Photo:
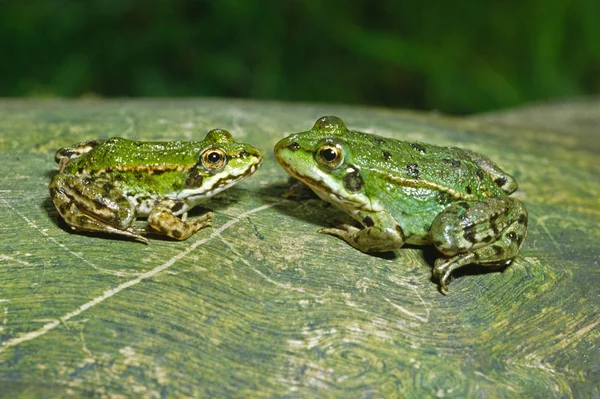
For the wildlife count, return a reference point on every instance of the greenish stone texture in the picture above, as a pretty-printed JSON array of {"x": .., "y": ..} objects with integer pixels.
[{"x": 261, "y": 305}]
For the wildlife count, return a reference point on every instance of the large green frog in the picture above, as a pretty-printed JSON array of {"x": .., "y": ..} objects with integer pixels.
[
  {"x": 104, "y": 185},
  {"x": 409, "y": 192}
]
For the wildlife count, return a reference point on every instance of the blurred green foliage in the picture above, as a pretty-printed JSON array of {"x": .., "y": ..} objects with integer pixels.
[{"x": 457, "y": 57}]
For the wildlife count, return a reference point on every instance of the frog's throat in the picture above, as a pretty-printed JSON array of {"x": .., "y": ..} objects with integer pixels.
[
  {"x": 218, "y": 182},
  {"x": 352, "y": 203}
]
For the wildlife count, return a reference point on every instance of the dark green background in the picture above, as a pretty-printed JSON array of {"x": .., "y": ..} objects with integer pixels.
[{"x": 457, "y": 57}]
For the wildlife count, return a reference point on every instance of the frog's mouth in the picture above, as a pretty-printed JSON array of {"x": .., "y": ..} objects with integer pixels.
[
  {"x": 351, "y": 202},
  {"x": 220, "y": 182},
  {"x": 311, "y": 182}
]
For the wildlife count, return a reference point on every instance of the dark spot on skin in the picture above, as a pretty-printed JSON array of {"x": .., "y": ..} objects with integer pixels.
[
  {"x": 522, "y": 219},
  {"x": 294, "y": 146},
  {"x": 107, "y": 188},
  {"x": 463, "y": 204},
  {"x": 137, "y": 143},
  {"x": 500, "y": 181},
  {"x": 194, "y": 179},
  {"x": 475, "y": 256},
  {"x": 453, "y": 163},
  {"x": 353, "y": 181},
  {"x": 158, "y": 172},
  {"x": 176, "y": 233},
  {"x": 139, "y": 175},
  {"x": 468, "y": 189},
  {"x": 479, "y": 173},
  {"x": 498, "y": 250},
  {"x": 512, "y": 236},
  {"x": 367, "y": 221},
  {"x": 417, "y": 147},
  {"x": 493, "y": 223},
  {"x": 177, "y": 207},
  {"x": 379, "y": 140},
  {"x": 470, "y": 235},
  {"x": 80, "y": 169},
  {"x": 413, "y": 170},
  {"x": 487, "y": 239},
  {"x": 386, "y": 155}
]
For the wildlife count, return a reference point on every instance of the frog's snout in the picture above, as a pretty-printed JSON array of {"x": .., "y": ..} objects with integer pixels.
[{"x": 288, "y": 143}]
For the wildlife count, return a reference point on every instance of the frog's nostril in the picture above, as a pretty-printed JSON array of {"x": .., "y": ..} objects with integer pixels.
[{"x": 294, "y": 146}]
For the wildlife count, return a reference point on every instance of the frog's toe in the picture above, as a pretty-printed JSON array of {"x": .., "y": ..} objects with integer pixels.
[{"x": 441, "y": 273}]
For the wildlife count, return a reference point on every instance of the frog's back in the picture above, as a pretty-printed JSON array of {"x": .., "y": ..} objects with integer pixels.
[
  {"x": 448, "y": 173},
  {"x": 122, "y": 154}
]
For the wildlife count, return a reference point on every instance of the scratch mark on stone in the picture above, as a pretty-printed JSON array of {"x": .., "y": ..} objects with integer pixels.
[
  {"x": 287, "y": 286},
  {"x": 5, "y": 319},
  {"x": 64, "y": 247},
  {"x": 577, "y": 335},
  {"x": 408, "y": 312},
  {"x": 6, "y": 257},
  {"x": 542, "y": 222},
  {"x": 113, "y": 291}
]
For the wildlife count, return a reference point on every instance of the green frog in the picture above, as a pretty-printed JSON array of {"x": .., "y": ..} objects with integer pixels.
[
  {"x": 104, "y": 185},
  {"x": 404, "y": 192}
]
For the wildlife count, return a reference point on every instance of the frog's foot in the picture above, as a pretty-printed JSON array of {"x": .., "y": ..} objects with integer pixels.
[
  {"x": 162, "y": 221},
  {"x": 445, "y": 266},
  {"x": 488, "y": 233},
  {"x": 373, "y": 238}
]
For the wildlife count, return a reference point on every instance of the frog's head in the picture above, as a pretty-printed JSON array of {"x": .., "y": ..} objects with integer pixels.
[
  {"x": 325, "y": 159},
  {"x": 221, "y": 163}
]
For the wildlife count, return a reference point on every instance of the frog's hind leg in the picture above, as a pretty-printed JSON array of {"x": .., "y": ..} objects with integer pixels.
[
  {"x": 93, "y": 207},
  {"x": 489, "y": 233},
  {"x": 163, "y": 221}
]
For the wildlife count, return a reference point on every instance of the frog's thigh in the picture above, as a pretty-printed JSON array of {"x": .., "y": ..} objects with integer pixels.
[
  {"x": 381, "y": 233},
  {"x": 489, "y": 232},
  {"x": 88, "y": 206},
  {"x": 162, "y": 220}
]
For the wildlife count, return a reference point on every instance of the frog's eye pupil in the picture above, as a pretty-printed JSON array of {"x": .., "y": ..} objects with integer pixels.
[
  {"x": 214, "y": 157},
  {"x": 328, "y": 154}
]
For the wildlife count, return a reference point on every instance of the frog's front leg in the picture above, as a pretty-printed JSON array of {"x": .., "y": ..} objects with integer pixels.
[
  {"x": 380, "y": 233},
  {"x": 489, "y": 232},
  {"x": 93, "y": 205},
  {"x": 163, "y": 221}
]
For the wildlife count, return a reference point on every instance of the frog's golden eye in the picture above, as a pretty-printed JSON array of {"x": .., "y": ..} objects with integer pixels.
[
  {"x": 213, "y": 158},
  {"x": 330, "y": 155}
]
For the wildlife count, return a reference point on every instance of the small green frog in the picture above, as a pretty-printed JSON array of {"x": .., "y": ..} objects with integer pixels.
[
  {"x": 104, "y": 185},
  {"x": 408, "y": 192}
]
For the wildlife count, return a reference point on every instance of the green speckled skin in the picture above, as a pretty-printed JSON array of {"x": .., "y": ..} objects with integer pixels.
[
  {"x": 104, "y": 185},
  {"x": 410, "y": 192}
]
